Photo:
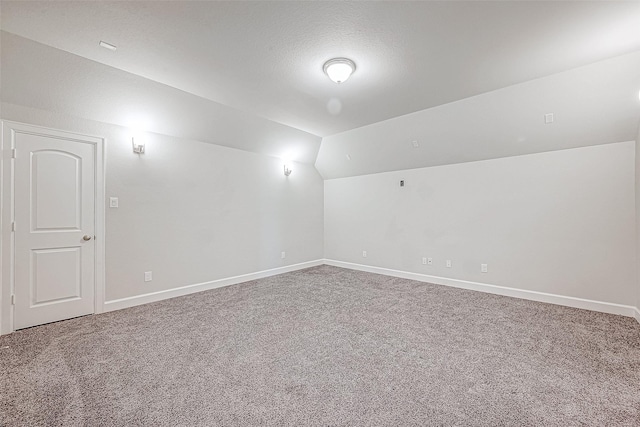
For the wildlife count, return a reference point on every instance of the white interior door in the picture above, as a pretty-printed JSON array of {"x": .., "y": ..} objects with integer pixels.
[{"x": 55, "y": 227}]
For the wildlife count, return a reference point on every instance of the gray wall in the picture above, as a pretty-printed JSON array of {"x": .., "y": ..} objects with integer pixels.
[
  {"x": 193, "y": 212},
  {"x": 556, "y": 222}
]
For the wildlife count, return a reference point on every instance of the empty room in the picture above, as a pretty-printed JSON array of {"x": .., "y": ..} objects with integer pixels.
[{"x": 288, "y": 213}]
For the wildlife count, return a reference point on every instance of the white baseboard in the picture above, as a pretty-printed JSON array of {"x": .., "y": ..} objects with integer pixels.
[
  {"x": 119, "y": 304},
  {"x": 604, "y": 307}
]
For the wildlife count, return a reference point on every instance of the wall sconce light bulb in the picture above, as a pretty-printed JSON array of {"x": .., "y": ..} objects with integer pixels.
[
  {"x": 287, "y": 171},
  {"x": 137, "y": 148}
]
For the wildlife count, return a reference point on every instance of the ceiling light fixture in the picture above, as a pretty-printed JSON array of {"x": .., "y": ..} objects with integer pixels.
[{"x": 339, "y": 69}]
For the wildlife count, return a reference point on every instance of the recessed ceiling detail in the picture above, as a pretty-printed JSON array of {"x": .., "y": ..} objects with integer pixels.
[{"x": 107, "y": 45}]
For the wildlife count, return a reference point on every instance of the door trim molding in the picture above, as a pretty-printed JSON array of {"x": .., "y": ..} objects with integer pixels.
[{"x": 8, "y": 129}]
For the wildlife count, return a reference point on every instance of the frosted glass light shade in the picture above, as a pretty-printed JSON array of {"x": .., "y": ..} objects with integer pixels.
[{"x": 339, "y": 69}]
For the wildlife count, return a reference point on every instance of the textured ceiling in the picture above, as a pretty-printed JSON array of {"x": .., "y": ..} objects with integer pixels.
[{"x": 266, "y": 58}]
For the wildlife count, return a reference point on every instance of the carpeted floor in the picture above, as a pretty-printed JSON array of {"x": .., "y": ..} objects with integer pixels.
[{"x": 326, "y": 347}]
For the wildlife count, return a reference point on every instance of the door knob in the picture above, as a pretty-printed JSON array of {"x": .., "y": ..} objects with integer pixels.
[{"x": 86, "y": 238}]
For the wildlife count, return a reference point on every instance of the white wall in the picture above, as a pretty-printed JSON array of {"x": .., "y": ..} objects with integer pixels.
[
  {"x": 194, "y": 212},
  {"x": 638, "y": 222},
  {"x": 556, "y": 222}
]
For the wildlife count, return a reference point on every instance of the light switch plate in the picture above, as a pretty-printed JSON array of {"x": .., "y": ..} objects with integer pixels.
[{"x": 113, "y": 202}]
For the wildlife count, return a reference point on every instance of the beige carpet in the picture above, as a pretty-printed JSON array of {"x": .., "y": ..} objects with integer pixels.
[{"x": 326, "y": 347}]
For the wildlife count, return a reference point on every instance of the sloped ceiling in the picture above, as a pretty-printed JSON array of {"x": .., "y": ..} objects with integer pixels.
[
  {"x": 591, "y": 105},
  {"x": 38, "y": 76},
  {"x": 261, "y": 62}
]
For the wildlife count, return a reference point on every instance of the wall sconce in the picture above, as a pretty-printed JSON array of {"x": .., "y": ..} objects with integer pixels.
[
  {"x": 287, "y": 171},
  {"x": 137, "y": 148}
]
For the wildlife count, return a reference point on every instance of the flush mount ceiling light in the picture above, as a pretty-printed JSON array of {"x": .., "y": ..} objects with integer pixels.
[{"x": 339, "y": 69}]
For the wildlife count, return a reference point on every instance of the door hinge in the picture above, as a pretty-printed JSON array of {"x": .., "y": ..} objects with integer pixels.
[
  {"x": 13, "y": 226},
  {"x": 13, "y": 299},
  {"x": 14, "y": 153}
]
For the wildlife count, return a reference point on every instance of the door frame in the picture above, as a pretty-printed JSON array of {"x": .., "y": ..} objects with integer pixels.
[{"x": 7, "y": 237}]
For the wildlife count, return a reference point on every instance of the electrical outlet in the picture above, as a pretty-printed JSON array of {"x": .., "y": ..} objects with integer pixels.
[
  {"x": 448, "y": 263},
  {"x": 484, "y": 268},
  {"x": 429, "y": 261},
  {"x": 283, "y": 255},
  {"x": 364, "y": 254},
  {"x": 424, "y": 261},
  {"x": 148, "y": 276}
]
